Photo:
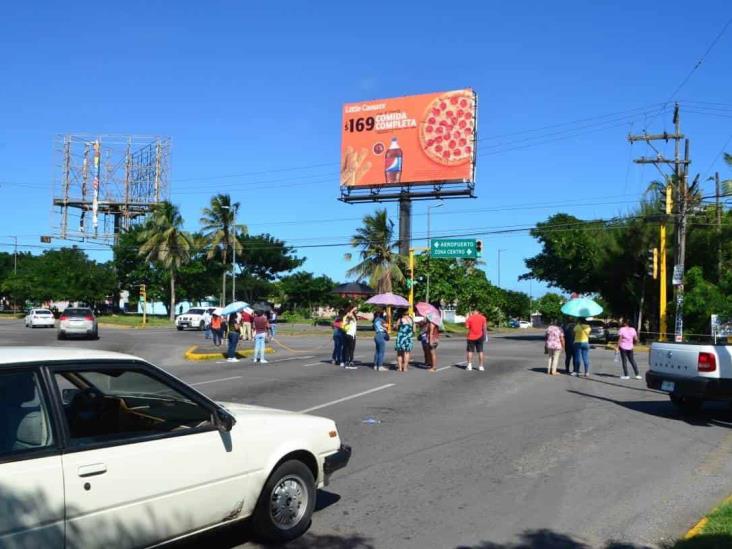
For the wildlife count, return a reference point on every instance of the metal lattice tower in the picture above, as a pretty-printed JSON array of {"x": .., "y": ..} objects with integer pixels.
[{"x": 107, "y": 183}]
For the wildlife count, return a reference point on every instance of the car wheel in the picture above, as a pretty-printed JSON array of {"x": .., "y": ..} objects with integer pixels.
[
  {"x": 60, "y": 336},
  {"x": 179, "y": 328},
  {"x": 687, "y": 405},
  {"x": 201, "y": 326},
  {"x": 286, "y": 503}
]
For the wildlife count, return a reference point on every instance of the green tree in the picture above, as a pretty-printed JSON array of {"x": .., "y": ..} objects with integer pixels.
[
  {"x": 304, "y": 289},
  {"x": 379, "y": 262},
  {"x": 218, "y": 223},
  {"x": 164, "y": 242},
  {"x": 199, "y": 278},
  {"x": 261, "y": 260},
  {"x": 131, "y": 273},
  {"x": 550, "y": 307}
]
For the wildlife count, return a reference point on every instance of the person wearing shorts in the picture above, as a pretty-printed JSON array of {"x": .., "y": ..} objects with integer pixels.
[{"x": 476, "y": 324}]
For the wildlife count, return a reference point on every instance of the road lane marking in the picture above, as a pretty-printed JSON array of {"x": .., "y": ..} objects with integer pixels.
[
  {"x": 344, "y": 399},
  {"x": 443, "y": 368},
  {"x": 216, "y": 380},
  {"x": 314, "y": 364},
  {"x": 291, "y": 358}
]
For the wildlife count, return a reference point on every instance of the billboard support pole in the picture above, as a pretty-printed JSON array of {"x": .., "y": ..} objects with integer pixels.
[{"x": 405, "y": 225}]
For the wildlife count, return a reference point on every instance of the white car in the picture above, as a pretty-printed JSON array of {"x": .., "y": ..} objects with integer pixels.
[
  {"x": 101, "y": 449},
  {"x": 524, "y": 324},
  {"x": 39, "y": 317},
  {"x": 192, "y": 318}
]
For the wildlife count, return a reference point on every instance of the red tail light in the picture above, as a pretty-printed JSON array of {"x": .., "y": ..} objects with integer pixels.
[
  {"x": 88, "y": 317},
  {"x": 707, "y": 362},
  {"x": 63, "y": 317}
]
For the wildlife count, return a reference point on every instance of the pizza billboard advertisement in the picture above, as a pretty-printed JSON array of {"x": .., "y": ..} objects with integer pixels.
[{"x": 412, "y": 140}]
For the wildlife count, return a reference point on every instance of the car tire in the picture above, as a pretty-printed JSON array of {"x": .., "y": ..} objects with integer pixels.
[
  {"x": 201, "y": 326},
  {"x": 179, "y": 328},
  {"x": 286, "y": 504},
  {"x": 687, "y": 405},
  {"x": 60, "y": 336}
]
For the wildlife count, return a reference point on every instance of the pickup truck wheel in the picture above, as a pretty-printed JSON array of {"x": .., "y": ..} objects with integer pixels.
[
  {"x": 687, "y": 405},
  {"x": 286, "y": 504},
  {"x": 179, "y": 328}
]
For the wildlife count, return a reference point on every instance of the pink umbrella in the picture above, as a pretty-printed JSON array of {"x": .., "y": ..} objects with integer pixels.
[
  {"x": 388, "y": 300},
  {"x": 430, "y": 312}
]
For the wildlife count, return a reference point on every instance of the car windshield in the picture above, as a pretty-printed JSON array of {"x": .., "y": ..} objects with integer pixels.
[
  {"x": 195, "y": 311},
  {"x": 43, "y": 312},
  {"x": 78, "y": 312}
]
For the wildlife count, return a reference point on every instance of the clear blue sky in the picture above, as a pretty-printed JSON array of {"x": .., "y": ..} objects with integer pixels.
[{"x": 244, "y": 87}]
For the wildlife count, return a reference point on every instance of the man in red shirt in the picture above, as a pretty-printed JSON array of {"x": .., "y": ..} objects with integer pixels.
[
  {"x": 476, "y": 324},
  {"x": 246, "y": 325}
]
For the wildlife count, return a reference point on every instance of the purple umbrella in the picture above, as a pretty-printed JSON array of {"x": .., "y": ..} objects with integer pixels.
[{"x": 388, "y": 299}]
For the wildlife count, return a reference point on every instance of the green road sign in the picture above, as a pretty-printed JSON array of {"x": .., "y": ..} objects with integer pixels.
[{"x": 451, "y": 248}]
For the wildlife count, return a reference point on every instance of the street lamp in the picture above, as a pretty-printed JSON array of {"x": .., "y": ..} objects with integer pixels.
[
  {"x": 499, "y": 264},
  {"x": 429, "y": 246}
]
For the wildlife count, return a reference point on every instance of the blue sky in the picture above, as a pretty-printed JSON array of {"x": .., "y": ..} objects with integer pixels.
[{"x": 250, "y": 94}]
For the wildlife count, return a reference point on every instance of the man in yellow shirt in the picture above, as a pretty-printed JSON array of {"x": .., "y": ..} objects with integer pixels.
[{"x": 581, "y": 346}]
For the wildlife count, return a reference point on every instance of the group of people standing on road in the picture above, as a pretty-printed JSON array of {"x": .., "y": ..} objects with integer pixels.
[
  {"x": 574, "y": 340},
  {"x": 242, "y": 326},
  {"x": 345, "y": 328}
]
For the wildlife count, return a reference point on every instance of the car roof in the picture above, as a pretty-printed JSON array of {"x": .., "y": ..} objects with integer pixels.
[{"x": 17, "y": 354}]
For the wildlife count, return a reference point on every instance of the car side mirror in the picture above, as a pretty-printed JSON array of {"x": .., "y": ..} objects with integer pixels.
[{"x": 223, "y": 420}]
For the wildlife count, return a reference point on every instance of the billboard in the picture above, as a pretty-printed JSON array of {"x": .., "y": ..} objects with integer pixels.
[{"x": 412, "y": 140}]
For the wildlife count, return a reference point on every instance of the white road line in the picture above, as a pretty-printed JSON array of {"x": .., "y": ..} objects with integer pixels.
[
  {"x": 462, "y": 363},
  {"x": 216, "y": 380},
  {"x": 314, "y": 364},
  {"x": 443, "y": 368},
  {"x": 338, "y": 401},
  {"x": 291, "y": 358}
]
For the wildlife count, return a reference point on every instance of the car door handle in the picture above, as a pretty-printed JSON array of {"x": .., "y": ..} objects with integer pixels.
[{"x": 91, "y": 470}]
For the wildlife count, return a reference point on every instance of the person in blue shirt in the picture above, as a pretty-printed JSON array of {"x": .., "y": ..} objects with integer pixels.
[{"x": 380, "y": 338}]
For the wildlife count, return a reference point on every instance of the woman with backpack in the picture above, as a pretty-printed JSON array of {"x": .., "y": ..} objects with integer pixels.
[{"x": 381, "y": 336}]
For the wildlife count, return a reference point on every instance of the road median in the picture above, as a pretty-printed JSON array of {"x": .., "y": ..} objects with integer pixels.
[
  {"x": 710, "y": 532},
  {"x": 209, "y": 352}
]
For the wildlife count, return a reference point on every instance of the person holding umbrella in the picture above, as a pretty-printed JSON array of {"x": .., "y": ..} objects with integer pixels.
[
  {"x": 582, "y": 346},
  {"x": 581, "y": 307},
  {"x": 233, "y": 338},
  {"x": 381, "y": 336}
]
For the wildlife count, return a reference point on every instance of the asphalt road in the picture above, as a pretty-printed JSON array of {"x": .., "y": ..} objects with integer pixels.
[{"x": 506, "y": 458}]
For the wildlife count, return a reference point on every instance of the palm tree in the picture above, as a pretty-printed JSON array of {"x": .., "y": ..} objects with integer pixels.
[
  {"x": 218, "y": 223},
  {"x": 164, "y": 242},
  {"x": 380, "y": 263}
]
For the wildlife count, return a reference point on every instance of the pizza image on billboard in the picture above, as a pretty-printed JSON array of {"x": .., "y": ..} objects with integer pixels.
[{"x": 418, "y": 139}]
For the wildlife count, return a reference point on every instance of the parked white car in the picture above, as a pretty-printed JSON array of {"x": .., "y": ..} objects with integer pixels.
[
  {"x": 101, "y": 449},
  {"x": 192, "y": 318},
  {"x": 524, "y": 324},
  {"x": 39, "y": 318}
]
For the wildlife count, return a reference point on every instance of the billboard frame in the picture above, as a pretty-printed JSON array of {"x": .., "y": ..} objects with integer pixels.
[{"x": 396, "y": 193}]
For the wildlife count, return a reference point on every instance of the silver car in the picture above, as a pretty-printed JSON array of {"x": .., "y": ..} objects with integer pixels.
[{"x": 78, "y": 321}]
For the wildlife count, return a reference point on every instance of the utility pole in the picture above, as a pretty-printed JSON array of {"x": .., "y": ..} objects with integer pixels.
[
  {"x": 15, "y": 270},
  {"x": 677, "y": 164},
  {"x": 429, "y": 247},
  {"x": 719, "y": 226},
  {"x": 499, "y": 265}
]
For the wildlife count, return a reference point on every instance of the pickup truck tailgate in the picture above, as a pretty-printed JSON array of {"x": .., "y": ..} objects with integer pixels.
[{"x": 681, "y": 359}]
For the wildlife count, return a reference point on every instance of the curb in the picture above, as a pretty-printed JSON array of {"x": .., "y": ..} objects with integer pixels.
[
  {"x": 699, "y": 526},
  {"x": 191, "y": 353}
]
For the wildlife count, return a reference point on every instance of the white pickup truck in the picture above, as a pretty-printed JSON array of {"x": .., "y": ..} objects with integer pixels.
[{"x": 691, "y": 373}]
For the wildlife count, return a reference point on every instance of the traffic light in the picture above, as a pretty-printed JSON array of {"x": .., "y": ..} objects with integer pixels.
[
  {"x": 653, "y": 263},
  {"x": 478, "y": 247}
]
